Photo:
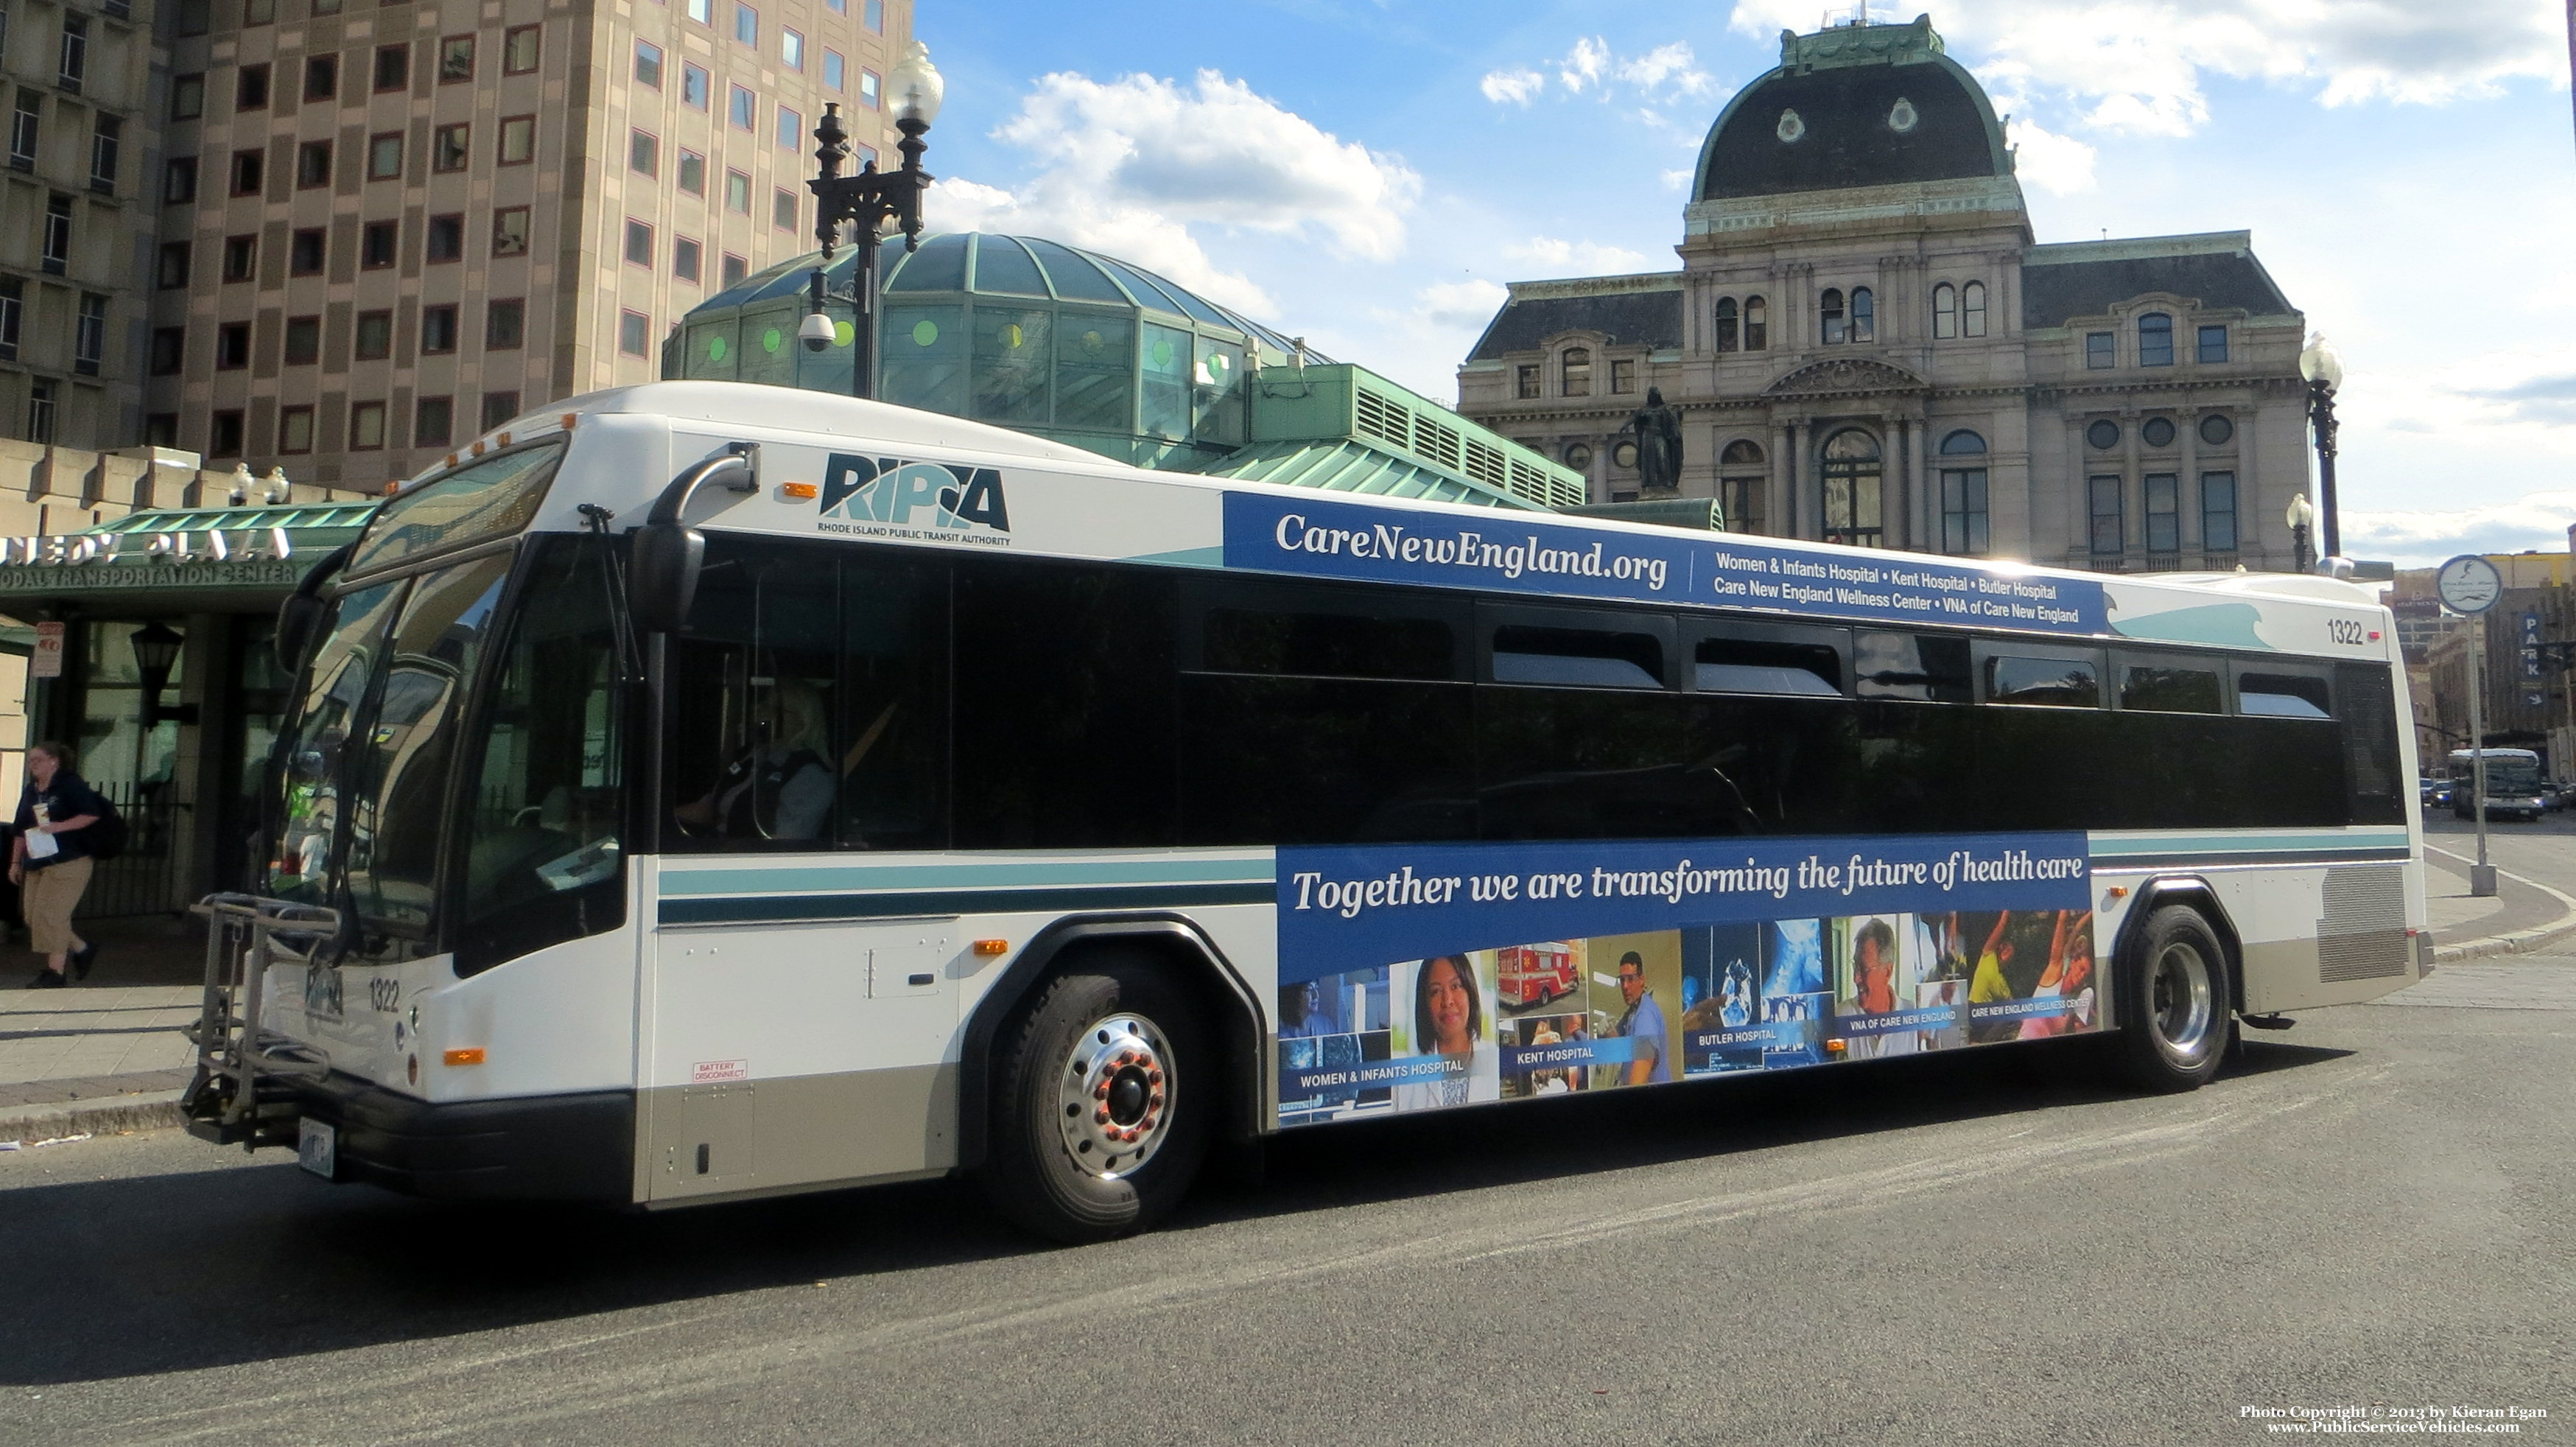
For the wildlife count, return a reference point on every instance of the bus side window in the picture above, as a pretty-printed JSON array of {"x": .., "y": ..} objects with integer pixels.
[
  {"x": 2171, "y": 687},
  {"x": 2283, "y": 695},
  {"x": 752, "y": 747},
  {"x": 892, "y": 743},
  {"x": 1912, "y": 667},
  {"x": 2370, "y": 743},
  {"x": 1577, "y": 736},
  {"x": 2029, "y": 682},
  {"x": 1580, "y": 657}
]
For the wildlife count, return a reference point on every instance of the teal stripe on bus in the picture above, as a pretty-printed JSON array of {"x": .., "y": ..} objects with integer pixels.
[
  {"x": 784, "y": 908},
  {"x": 2253, "y": 842},
  {"x": 997, "y": 874}
]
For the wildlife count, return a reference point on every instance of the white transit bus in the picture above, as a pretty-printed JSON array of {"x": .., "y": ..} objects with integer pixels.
[
  {"x": 2514, "y": 789},
  {"x": 710, "y": 791}
]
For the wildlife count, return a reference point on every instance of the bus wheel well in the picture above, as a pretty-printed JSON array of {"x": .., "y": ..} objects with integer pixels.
[
  {"x": 2195, "y": 892},
  {"x": 1175, "y": 946}
]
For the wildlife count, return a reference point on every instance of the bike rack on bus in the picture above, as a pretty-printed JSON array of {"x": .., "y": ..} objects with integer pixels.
[{"x": 246, "y": 935}]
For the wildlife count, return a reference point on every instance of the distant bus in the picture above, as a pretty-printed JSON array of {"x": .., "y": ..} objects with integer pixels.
[
  {"x": 704, "y": 791},
  {"x": 2514, "y": 787}
]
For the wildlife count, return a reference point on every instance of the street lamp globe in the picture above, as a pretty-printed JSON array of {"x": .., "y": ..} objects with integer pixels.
[
  {"x": 2301, "y": 513},
  {"x": 2320, "y": 362},
  {"x": 915, "y": 87}
]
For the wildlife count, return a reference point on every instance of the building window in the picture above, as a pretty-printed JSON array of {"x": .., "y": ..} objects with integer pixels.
[
  {"x": 438, "y": 329},
  {"x": 294, "y": 430},
  {"x": 2213, "y": 344},
  {"x": 505, "y": 324},
  {"x": 2103, "y": 435},
  {"x": 1864, "y": 315},
  {"x": 1578, "y": 455},
  {"x": 40, "y": 412},
  {"x": 835, "y": 69},
  {"x": 161, "y": 429},
  {"x": 304, "y": 251},
  {"x": 685, "y": 258},
  {"x": 89, "y": 335},
  {"x": 791, "y": 128},
  {"x": 693, "y": 172},
  {"x": 445, "y": 240},
  {"x": 13, "y": 305},
  {"x": 187, "y": 97},
  {"x": 26, "y": 129},
  {"x": 1963, "y": 493},
  {"x": 510, "y": 231},
  {"x": 58, "y": 234},
  {"x": 321, "y": 77},
  {"x": 2157, "y": 432},
  {"x": 1527, "y": 377},
  {"x": 384, "y": 156},
  {"x": 456, "y": 60},
  {"x": 872, "y": 15},
  {"x": 871, "y": 86},
  {"x": 1574, "y": 372},
  {"x": 693, "y": 86},
  {"x": 393, "y": 68},
  {"x": 634, "y": 333},
  {"x": 2216, "y": 430},
  {"x": 745, "y": 109},
  {"x": 2103, "y": 494},
  {"x": 702, "y": 11},
  {"x": 520, "y": 48},
  {"x": 1972, "y": 309},
  {"x": 746, "y": 25},
  {"x": 433, "y": 421},
  {"x": 378, "y": 241},
  {"x": 1757, "y": 325},
  {"x": 735, "y": 269},
  {"x": 2155, "y": 340},
  {"x": 374, "y": 339},
  {"x": 1728, "y": 338},
  {"x": 1623, "y": 375},
  {"x": 255, "y": 12},
  {"x": 791, "y": 49},
  {"x": 169, "y": 350},
  {"x": 250, "y": 88},
  {"x": 639, "y": 243},
  {"x": 643, "y": 153},
  {"x": 366, "y": 426},
  {"x": 648, "y": 64},
  {"x": 2163, "y": 494},
  {"x": 106, "y": 148},
  {"x": 738, "y": 192},
  {"x": 2218, "y": 512},
  {"x": 518, "y": 140},
  {"x": 250, "y": 169},
  {"x": 1742, "y": 495},
  {"x": 232, "y": 346},
  {"x": 1853, "y": 475},
  {"x": 1829, "y": 315},
  {"x": 303, "y": 341},
  {"x": 451, "y": 147},
  {"x": 224, "y": 434},
  {"x": 241, "y": 257},
  {"x": 499, "y": 407},
  {"x": 72, "y": 62},
  {"x": 782, "y": 209},
  {"x": 312, "y": 165},
  {"x": 172, "y": 271},
  {"x": 179, "y": 181},
  {"x": 1945, "y": 312},
  {"x": 2101, "y": 349}
]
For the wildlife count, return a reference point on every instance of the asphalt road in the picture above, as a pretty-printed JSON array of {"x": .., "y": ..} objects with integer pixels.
[{"x": 2375, "y": 1208}]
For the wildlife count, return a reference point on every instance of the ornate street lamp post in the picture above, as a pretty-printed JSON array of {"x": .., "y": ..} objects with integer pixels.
[
  {"x": 865, "y": 202},
  {"x": 2298, "y": 517},
  {"x": 2322, "y": 365}
]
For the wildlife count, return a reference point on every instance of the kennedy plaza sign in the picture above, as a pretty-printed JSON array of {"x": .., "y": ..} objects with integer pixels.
[{"x": 102, "y": 562}]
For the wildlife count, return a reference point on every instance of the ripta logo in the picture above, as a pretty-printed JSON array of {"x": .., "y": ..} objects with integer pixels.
[{"x": 914, "y": 494}]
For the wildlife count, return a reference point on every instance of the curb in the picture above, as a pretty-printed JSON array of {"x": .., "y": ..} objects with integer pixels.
[
  {"x": 157, "y": 1110},
  {"x": 2520, "y": 941}
]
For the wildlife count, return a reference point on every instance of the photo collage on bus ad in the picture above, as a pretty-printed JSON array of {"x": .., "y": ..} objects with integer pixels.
[{"x": 1417, "y": 978}]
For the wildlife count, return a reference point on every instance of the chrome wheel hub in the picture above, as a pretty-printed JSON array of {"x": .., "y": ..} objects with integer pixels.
[
  {"x": 1114, "y": 1096},
  {"x": 2181, "y": 1005}
]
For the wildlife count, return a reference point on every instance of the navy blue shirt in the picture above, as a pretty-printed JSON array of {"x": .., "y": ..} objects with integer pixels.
[{"x": 69, "y": 797}]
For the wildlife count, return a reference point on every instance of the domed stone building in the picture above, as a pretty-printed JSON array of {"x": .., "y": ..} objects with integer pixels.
[{"x": 1867, "y": 345}]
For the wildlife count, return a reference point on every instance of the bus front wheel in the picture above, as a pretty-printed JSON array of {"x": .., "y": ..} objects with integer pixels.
[
  {"x": 2176, "y": 1004},
  {"x": 1102, "y": 1105}
]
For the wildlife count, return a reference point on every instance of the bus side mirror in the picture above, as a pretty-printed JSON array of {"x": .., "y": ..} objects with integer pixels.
[
  {"x": 662, "y": 574},
  {"x": 300, "y": 618}
]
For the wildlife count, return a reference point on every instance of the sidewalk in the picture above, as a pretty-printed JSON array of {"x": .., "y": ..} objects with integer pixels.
[{"x": 2522, "y": 916}]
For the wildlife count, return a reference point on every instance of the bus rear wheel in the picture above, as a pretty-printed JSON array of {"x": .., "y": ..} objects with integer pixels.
[
  {"x": 1102, "y": 1106},
  {"x": 2176, "y": 1003}
]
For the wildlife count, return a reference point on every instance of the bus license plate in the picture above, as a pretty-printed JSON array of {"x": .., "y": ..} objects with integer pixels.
[{"x": 317, "y": 1147}]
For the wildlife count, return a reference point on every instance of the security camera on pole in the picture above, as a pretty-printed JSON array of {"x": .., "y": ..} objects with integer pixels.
[{"x": 2469, "y": 586}]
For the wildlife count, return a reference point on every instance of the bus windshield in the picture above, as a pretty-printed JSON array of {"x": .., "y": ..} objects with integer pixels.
[{"x": 2514, "y": 777}]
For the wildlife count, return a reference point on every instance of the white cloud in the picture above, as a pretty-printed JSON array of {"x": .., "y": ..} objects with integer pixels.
[
  {"x": 1583, "y": 64},
  {"x": 2059, "y": 165},
  {"x": 1051, "y": 208},
  {"x": 1672, "y": 65},
  {"x": 2422, "y": 537},
  {"x": 1666, "y": 72},
  {"x": 1462, "y": 305},
  {"x": 1577, "y": 258},
  {"x": 1513, "y": 87}
]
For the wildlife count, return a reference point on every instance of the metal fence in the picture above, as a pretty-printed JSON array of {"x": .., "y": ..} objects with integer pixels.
[{"x": 144, "y": 879}]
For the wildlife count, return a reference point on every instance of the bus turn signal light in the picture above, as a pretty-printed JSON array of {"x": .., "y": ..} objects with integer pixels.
[
  {"x": 992, "y": 947},
  {"x": 800, "y": 491},
  {"x": 470, "y": 1055},
  {"x": 1836, "y": 1047}
]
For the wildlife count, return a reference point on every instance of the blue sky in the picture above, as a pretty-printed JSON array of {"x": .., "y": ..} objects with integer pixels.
[{"x": 1367, "y": 175}]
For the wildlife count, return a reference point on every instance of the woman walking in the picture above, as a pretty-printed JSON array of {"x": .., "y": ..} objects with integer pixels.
[{"x": 49, "y": 862}]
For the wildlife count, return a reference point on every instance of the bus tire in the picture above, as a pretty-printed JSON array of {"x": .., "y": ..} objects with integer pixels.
[
  {"x": 2176, "y": 1004},
  {"x": 1106, "y": 1088}
]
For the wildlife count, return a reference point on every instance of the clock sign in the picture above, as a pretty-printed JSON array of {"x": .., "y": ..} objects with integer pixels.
[{"x": 2469, "y": 585}]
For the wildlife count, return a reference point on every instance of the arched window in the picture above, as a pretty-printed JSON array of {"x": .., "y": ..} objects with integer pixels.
[
  {"x": 1864, "y": 314},
  {"x": 1972, "y": 309},
  {"x": 1743, "y": 486},
  {"x": 2155, "y": 340},
  {"x": 1757, "y": 324},
  {"x": 1726, "y": 324},
  {"x": 1829, "y": 311},
  {"x": 1852, "y": 475},
  {"x": 1740, "y": 452},
  {"x": 1945, "y": 312},
  {"x": 1963, "y": 493},
  {"x": 1575, "y": 370}
]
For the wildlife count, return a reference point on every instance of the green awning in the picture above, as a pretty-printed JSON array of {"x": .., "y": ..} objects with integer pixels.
[
  {"x": 179, "y": 560},
  {"x": 1350, "y": 465}
]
